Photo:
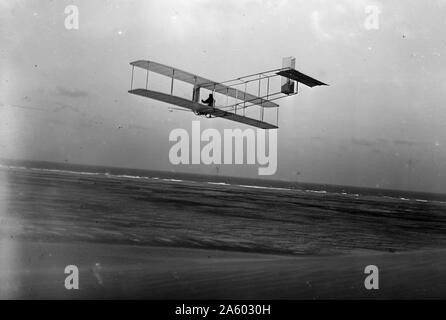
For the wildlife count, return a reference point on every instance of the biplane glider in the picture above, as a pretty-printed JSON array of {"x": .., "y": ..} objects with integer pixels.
[{"x": 235, "y": 89}]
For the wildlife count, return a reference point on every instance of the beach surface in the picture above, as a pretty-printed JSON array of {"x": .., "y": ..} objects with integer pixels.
[
  {"x": 164, "y": 238},
  {"x": 109, "y": 271}
]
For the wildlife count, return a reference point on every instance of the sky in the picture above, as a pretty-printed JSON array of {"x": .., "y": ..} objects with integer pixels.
[{"x": 380, "y": 123}]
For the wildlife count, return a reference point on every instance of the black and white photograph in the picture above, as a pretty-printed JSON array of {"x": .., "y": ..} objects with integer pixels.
[{"x": 243, "y": 150}]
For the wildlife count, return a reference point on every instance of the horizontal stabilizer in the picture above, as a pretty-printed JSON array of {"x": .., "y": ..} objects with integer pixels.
[{"x": 300, "y": 77}]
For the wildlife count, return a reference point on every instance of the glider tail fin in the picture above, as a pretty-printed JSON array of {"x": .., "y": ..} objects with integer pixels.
[{"x": 288, "y": 86}]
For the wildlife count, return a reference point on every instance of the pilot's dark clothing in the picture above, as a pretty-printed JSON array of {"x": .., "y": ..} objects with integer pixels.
[{"x": 209, "y": 101}]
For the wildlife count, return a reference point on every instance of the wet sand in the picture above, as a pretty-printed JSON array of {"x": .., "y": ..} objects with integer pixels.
[
  {"x": 138, "y": 272},
  {"x": 158, "y": 238}
]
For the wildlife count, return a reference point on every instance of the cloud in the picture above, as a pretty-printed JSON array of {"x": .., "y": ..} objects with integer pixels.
[
  {"x": 339, "y": 20},
  {"x": 381, "y": 142},
  {"x": 71, "y": 93},
  {"x": 23, "y": 107},
  {"x": 64, "y": 106},
  {"x": 405, "y": 142},
  {"x": 316, "y": 22},
  {"x": 363, "y": 142}
]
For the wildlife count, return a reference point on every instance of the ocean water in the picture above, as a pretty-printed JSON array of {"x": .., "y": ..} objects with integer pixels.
[{"x": 66, "y": 203}]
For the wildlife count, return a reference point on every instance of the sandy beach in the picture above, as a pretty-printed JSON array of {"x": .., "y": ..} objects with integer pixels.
[
  {"x": 107, "y": 271},
  {"x": 150, "y": 238}
]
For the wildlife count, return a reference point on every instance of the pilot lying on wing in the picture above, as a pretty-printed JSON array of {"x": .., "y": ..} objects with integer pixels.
[{"x": 210, "y": 101}]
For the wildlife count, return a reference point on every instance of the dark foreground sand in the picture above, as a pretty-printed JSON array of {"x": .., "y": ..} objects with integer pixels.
[{"x": 36, "y": 270}]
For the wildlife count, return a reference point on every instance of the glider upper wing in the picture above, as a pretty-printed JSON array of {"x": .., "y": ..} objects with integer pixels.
[{"x": 203, "y": 82}]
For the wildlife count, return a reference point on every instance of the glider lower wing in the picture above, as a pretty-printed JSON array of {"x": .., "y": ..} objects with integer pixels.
[
  {"x": 196, "y": 107},
  {"x": 203, "y": 82},
  {"x": 238, "y": 118}
]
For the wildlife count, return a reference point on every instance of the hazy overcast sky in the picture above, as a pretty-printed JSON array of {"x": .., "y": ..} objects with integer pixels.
[{"x": 380, "y": 123}]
